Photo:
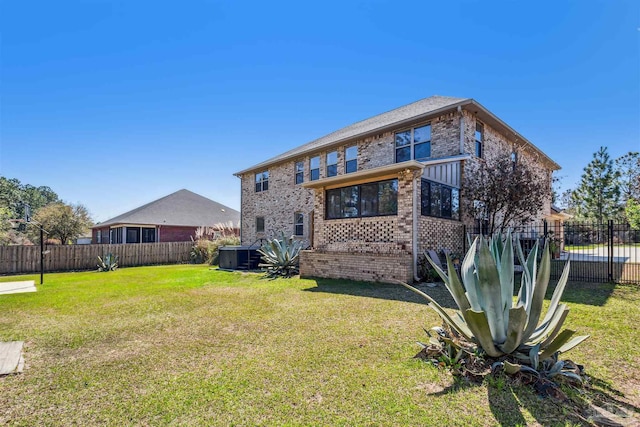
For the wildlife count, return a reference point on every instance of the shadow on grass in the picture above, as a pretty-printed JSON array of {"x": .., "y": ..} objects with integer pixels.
[
  {"x": 596, "y": 294},
  {"x": 383, "y": 291},
  {"x": 508, "y": 399}
]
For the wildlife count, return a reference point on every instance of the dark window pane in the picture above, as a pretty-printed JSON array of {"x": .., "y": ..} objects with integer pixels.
[
  {"x": 315, "y": 174},
  {"x": 298, "y": 223},
  {"x": 350, "y": 202},
  {"x": 258, "y": 187},
  {"x": 265, "y": 185},
  {"x": 422, "y": 134},
  {"x": 388, "y": 197},
  {"x": 425, "y": 202},
  {"x": 403, "y": 154},
  {"x": 133, "y": 235},
  {"x": 299, "y": 178},
  {"x": 260, "y": 224},
  {"x": 455, "y": 204},
  {"x": 422, "y": 150},
  {"x": 352, "y": 166},
  {"x": 445, "y": 203},
  {"x": 478, "y": 149},
  {"x": 148, "y": 235},
  {"x": 333, "y": 204},
  {"x": 332, "y": 170},
  {"x": 299, "y": 230},
  {"x": 403, "y": 138},
  {"x": 435, "y": 199},
  {"x": 369, "y": 199}
]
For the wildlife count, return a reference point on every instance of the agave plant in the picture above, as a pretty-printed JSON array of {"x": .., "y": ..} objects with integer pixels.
[
  {"x": 489, "y": 318},
  {"x": 108, "y": 262},
  {"x": 281, "y": 256}
]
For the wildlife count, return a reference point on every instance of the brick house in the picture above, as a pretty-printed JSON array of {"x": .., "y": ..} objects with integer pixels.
[
  {"x": 173, "y": 218},
  {"x": 369, "y": 198}
]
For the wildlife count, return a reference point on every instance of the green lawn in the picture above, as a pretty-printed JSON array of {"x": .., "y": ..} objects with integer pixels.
[{"x": 186, "y": 345}]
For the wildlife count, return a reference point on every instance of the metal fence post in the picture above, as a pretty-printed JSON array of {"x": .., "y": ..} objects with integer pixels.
[{"x": 610, "y": 249}]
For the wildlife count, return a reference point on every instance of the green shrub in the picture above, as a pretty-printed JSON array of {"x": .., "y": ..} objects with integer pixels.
[
  {"x": 488, "y": 318},
  {"x": 206, "y": 251},
  {"x": 281, "y": 256},
  {"x": 108, "y": 262}
]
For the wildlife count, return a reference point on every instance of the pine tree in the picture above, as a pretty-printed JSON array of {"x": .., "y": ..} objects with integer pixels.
[{"x": 598, "y": 194}]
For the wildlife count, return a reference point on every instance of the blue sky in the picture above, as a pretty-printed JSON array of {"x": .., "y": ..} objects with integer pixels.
[{"x": 116, "y": 103}]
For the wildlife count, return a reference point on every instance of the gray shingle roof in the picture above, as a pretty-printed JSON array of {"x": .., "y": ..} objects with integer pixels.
[
  {"x": 183, "y": 208},
  {"x": 413, "y": 110}
]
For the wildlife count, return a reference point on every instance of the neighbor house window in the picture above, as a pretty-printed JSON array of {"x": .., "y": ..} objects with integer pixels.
[
  {"x": 440, "y": 200},
  {"x": 260, "y": 224},
  {"x": 479, "y": 139},
  {"x": 413, "y": 144},
  {"x": 299, "y": 172},
  {"x": 148, "y": 235},
  {"x": 351, "y": 159},
  {"x": 115, "y": 235},
  {"x": 332, "y": 163},
  {"x": 371, "y": 199},
  {"x": 298, "y": 223},
  {"x": 314, "y": 168},
  {"x": 262, "y": 181},
  {"x": 98, "y": 236},
  {"x": 133, "y": 235}
]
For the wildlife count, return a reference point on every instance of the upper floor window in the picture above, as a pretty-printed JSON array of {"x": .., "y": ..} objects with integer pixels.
[
  {"x": 440, "y": 200},
  {"x": 259, "y": 224},
  {"x": 262, "y": 181},
  {"x": 332, "y": 163},
  {"x": 351, "y": 159},
  {"x": 299, "y": 172},
  {"x": 479, "y": 139},
  {"x": 514, "y": 159},
  {"x": 314, "y": 168},
  {"x": 298, "y": 223},
  {"x": 363, "y": 200},
  {"x": 413, "y": 144}
]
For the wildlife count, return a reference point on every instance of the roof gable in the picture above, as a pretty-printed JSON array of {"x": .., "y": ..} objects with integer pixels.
[{"x": 182, "y": 208}]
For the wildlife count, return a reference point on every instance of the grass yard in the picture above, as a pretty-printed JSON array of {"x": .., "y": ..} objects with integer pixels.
[{"x": 186, "y": 345}]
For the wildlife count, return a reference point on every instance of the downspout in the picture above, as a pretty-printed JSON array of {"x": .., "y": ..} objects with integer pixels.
[
  {"x": 461, "y": 130},
  {"x": 415, "y": 228}
]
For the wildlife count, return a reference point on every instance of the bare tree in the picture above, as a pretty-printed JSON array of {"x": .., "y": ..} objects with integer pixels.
[{"x": 501, "y": 192}]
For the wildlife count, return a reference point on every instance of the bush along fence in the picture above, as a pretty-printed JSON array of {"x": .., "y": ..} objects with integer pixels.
[
  {"x": 26, "y": 259},
  {"x": 599, "y": 252}
]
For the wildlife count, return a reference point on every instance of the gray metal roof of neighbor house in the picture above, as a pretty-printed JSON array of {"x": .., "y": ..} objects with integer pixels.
[
  {"x": 182, "y": 208},
  {"x": 423, "y": 108}
]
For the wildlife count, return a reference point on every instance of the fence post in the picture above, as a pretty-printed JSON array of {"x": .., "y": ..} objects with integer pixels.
[
  {"x": 545, "y": 229},
  {"x": 610, "y": 249}
]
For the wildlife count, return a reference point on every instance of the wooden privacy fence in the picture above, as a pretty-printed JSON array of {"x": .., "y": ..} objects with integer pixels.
[{"x": 26, "y": 259}]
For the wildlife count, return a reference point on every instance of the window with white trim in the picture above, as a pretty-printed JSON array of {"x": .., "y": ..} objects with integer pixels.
[
  {"x": 262, "y": 181},
  {"x": 479, "y": 136},
  {"x": 314, "y": 168},
  {"x": 298, "y": 223},
  {"x": 351, "y": 159},
  {"x": 413, "y": 144},
  {"x": 299, "y": 172},
  {"x": 332, "y": 163}
]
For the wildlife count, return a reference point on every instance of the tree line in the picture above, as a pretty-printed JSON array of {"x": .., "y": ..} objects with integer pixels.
[
  {"x": 608, "y": 190},
  {"x": 21, "y": 203}
]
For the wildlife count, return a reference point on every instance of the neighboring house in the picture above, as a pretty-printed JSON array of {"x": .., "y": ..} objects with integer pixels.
[
  {"x": 85, "y": 238},
  {"x": 173, "y": 218},
  {"x": 369, "y": 198}
]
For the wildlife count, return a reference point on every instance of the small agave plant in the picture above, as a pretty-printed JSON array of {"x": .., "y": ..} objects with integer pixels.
[
  {"x": 489, "y": 318},
  {"x": 108, "y": 262},
  {"x": 281, "y": 256}
]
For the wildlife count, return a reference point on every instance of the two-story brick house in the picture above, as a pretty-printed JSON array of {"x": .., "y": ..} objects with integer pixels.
[{"x": 369, "y": 198}]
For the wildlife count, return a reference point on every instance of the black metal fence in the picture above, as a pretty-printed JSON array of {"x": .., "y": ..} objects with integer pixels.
[{"x": 599, "y": 252}]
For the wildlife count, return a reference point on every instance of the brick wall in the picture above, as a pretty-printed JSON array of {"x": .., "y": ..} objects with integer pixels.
[
  {"x": 438, "y": 234},
  {"x": 356, "y": 266}
]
